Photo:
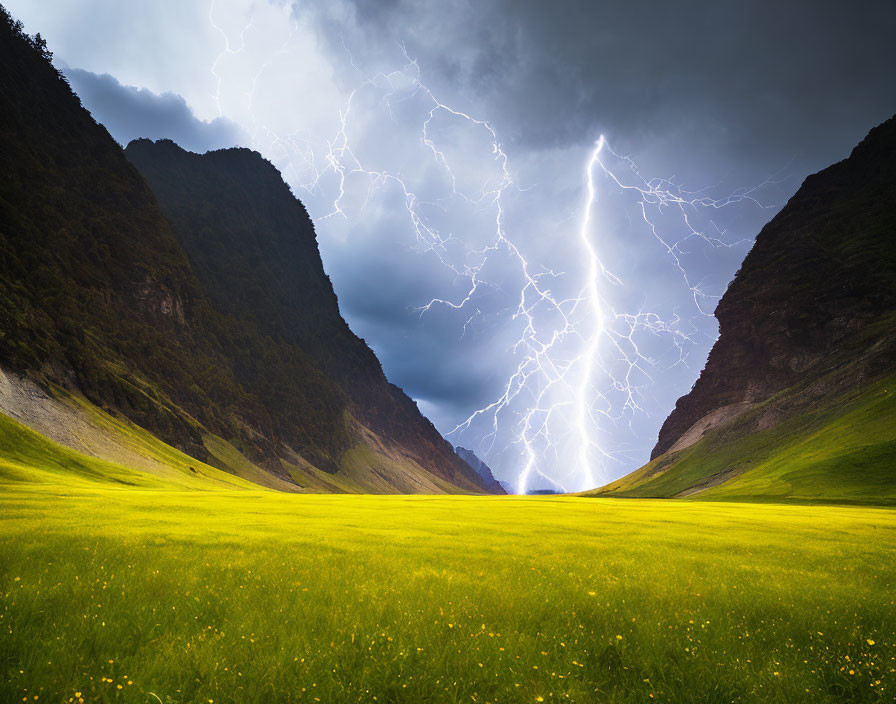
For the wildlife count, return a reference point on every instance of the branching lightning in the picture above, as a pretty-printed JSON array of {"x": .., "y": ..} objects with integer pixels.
[
  {"x": 225, "y": 51},
  {"x": 578, "y": 366}
]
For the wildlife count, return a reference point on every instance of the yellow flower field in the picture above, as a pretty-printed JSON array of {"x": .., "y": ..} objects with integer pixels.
[{"x": 129, "y": 595}]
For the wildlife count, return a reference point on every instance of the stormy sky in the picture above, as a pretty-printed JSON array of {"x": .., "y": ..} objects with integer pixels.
[{"x": 729, "y": 104}]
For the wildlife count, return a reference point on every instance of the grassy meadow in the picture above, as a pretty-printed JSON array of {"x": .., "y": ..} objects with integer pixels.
[
  {"x": 842, "y": 451},
  {"x": 217, "y": 597}
]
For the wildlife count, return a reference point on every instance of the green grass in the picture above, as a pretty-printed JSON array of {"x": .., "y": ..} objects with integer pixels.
[
  {"x": 130, "y": 455},
  {"x": 28, "y": 457},
  {"x": 139, "y": 595},
  {"x": 841, "y": 452}
]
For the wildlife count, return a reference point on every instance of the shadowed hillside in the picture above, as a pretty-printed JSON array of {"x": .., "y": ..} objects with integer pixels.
[
  {"x": 254, "y": 250},
  {"x": 220, "y": 327}
]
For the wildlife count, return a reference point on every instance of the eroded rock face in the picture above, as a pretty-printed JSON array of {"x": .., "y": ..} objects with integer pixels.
[
  {"x": 807, "y": 299},
  {"x": 156, "y": 300}
]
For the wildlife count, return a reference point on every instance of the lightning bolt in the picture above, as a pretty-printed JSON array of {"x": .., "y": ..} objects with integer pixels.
[
  {"x": 596, "y": 310},
  {"x": 228, "y": 49},
  {"x": 587, "y": 381},
  {"x": 579, "y": 364}
]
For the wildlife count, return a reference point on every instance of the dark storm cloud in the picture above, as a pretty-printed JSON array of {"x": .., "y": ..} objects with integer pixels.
[
  {"x": 129, "y": 112},
  {"x": 763, "y": 82},
  {"x": 434, "y": 362},
  {"x": 701, "y": 91}
]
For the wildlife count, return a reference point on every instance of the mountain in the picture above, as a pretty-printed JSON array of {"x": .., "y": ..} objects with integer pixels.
[
  {"x": 798, "y": 397},
  {"x": 195, "y": 322},
  {"x": 254, "y": 250},
  {"x": 482, "y": 469}
]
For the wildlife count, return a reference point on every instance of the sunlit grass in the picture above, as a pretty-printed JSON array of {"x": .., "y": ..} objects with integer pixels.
[
  {"x": 144, "y": 596},
  {"x": 842, "y": 450}
]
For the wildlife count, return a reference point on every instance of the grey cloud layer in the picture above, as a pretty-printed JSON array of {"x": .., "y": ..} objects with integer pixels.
[
  {"x": 129, "y": 112},
  {"x": 760, "y": 81}
]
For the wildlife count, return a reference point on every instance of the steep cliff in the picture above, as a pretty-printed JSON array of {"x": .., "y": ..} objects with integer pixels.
[
  {"x": 806, "y": 335},
  {"x": 254, "y": 249}
]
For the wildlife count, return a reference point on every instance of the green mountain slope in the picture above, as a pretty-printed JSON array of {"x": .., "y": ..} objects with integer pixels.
[
  {"x": 29, "y": 457},
  {"x": 796, "y": 400},
  {"x": 102, "y": 300},
  {"x": 843, "y": 451}
]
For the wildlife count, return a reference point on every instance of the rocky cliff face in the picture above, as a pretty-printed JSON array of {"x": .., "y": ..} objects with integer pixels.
[{"x": 808, "y": 300}]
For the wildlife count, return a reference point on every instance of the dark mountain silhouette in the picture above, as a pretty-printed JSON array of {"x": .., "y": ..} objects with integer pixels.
[
  {"x": 254, "y": 250},
  {"x": 482, "y": 469},
  {"x": 807, "y": 336},
  {"x": 208, "y": 317}
]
